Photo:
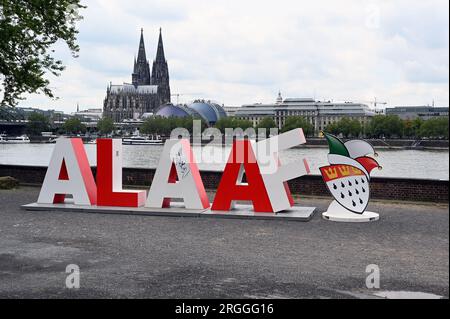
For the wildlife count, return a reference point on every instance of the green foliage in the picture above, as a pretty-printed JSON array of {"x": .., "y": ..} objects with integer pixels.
[
  {"x": 233, "y": 123},
  {"x": 385, "y": 126},
  {"x": 293, "y": 122},
  {"x": 74, "y": 126},
  {"x": 105, "y": 126},
  {"x": 345, "y": 126},
  {"x": 29, "y": 30},
  {"x": 37, "y": 123},
  {"x": 411, "y": 128},
  {"x": 267, "y": 123},
  {"x": 435, "y": 128},
  {"x": 164, "y": 126}
]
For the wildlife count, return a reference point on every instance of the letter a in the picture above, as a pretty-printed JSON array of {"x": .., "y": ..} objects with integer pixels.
[
  {"x": 274, "y": 174},
  {"x": 242, "y": 158},
  {"x": 109, "y": 177},
  {"x": 69, "y": 173},
  {"x": 177, "y": 162}
]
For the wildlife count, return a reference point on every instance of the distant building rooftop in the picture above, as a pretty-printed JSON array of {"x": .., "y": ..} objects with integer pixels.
[{"x": 412, "y": 112}]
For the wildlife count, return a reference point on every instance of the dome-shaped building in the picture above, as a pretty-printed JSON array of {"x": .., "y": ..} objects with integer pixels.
[
  {"x": 208, "y": 111},
  {"x": 170, "y": 110}
]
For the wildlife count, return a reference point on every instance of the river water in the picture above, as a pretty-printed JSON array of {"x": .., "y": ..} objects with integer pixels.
[{"x": 396, "y": 163}]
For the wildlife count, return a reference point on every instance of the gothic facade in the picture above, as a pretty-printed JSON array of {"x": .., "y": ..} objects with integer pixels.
[{"x": 147, "y": 91}]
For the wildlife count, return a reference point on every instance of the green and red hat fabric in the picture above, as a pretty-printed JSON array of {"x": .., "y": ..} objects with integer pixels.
[{"x": 348, "y": 175}]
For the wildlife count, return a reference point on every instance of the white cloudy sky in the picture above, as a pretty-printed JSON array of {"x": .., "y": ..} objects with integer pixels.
[{"x": 244, "y": 51}]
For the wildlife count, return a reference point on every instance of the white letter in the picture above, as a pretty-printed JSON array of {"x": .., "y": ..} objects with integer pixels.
[
  {"x": 69, "y": 158},
  {"x": 73, "y": 280},
  {"x": 373, "y": 279},
  {"x": 177, "y": 162}
]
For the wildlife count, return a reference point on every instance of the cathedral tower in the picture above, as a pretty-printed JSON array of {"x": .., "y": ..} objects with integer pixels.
[
  {"x": 141, "y": 70},
  {"x": 160, "y": 73}
]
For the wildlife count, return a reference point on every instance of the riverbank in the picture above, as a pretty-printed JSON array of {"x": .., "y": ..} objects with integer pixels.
[
  {"x": 389, "y": 143},
  {"x": 418, "y": 144},
  {"x": 122, "y": 256},
  {"x": 399, "y": 189}
]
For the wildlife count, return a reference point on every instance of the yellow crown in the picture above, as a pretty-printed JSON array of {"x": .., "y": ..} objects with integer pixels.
[
  {"x": 331, "y": 173},
  {"x": 345, "y": 170},
  {"x": 356, "y": 171}
]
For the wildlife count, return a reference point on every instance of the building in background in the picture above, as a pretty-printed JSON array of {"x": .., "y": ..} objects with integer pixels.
[
  {"x": 208, "y": 111},
  {"x": 318, "y": 113},
  {"x": 89, "y": 115},
  {"x": 413, "y": 112},
  {"x": 147, "y": 91}
]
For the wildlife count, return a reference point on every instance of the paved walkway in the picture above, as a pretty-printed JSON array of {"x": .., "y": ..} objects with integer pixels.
[{"x": 162, "y": 257}]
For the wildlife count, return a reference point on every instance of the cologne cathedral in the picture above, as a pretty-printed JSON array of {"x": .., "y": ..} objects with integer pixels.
[{"x": 147, "y": 91}]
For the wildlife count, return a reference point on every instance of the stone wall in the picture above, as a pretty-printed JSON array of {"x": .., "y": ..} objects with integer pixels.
[{"x": 381, "y": 188}]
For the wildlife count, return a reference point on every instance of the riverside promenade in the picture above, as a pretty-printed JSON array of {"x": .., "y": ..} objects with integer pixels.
[{"x": 128, "y": 256}]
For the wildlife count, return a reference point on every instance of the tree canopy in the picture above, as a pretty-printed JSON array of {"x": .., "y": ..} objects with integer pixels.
[
  {"x": 164, "y": 126},
  {"x": 28, "y": 31},
  {"x": 233, "y": 123},
  {"x": 435, "y": 128},
  {"x": 74, "y": 126},
  {"x": 105, "y": 126},
  {"x": 293, "y": 122},
  {"x": 37, "y": 123},
  {"x": 345, "y": 126}
]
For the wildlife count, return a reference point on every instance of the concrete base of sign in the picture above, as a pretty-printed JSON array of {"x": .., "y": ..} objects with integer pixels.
[
  {"x": 296, "y": 213},
  {"x": 177, "y": 210},
  {"x": 337, "y": 213}
]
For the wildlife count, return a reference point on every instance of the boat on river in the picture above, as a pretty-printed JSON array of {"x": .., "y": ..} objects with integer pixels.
[
  {"x": 142, "y": 140},
  {"x": 4, "y": 139}
]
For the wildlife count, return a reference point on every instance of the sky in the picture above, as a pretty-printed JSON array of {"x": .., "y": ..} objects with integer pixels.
[{"x": 246, "y": 51}]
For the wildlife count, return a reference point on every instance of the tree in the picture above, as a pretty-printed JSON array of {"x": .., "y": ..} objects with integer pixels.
[
  {"x": 37, "y": 123},
  {"x": 233, "y": 123},
  {"x": 28, "y": 31},
  {"x": 345, "y": 126},
  {"x": 293, "y": 122},
  {"x": 435, "y": 128},
  {"x": 105, "y": 126},
  {"x": 74, "y": 126},
  {"x": 411, "y": 128},
  {"x": 386, "y": 126},
  {"x": 266, "y": 123},
  {"x": 164, "y": 126}
]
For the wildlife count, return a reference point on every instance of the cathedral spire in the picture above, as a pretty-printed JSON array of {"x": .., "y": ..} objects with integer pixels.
[
  {"x": 141, "y": 70},
  {"x": 160, "y": 73},
  {"x": 160, "y": 51},
  {"x": 141, "y": 51}
]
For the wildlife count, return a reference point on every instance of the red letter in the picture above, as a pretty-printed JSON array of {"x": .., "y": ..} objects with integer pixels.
[
  {"x": 109, "y": 177},
  {"x": 242, "y": 158}
]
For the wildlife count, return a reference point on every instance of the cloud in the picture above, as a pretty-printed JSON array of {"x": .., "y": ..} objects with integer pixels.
[{"x": 238, "y": 52}]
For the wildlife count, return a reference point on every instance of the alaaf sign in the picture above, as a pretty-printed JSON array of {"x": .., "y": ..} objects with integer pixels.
[{"x": 177, "y": 177}]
